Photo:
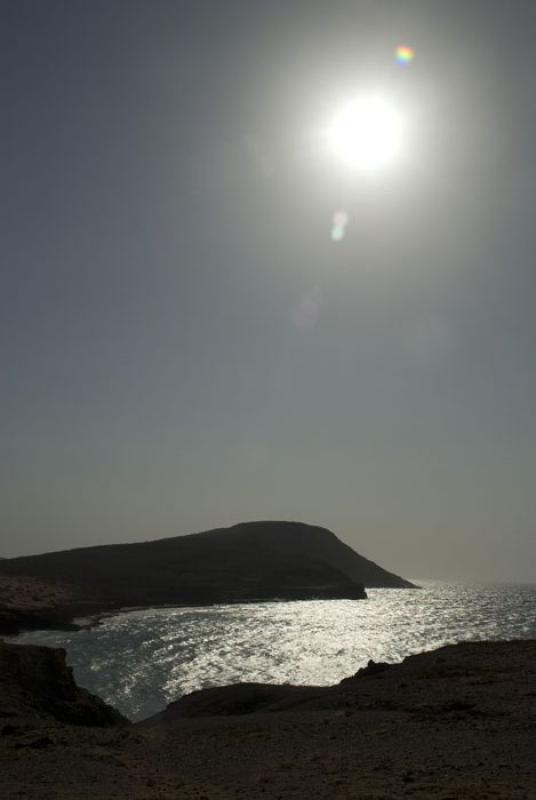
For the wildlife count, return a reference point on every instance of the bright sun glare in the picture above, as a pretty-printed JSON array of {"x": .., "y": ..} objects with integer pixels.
[{"x": 366, "y": 133}]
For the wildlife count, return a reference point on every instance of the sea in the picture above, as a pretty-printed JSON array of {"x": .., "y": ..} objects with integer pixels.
[{"x": 141, "y": 660}]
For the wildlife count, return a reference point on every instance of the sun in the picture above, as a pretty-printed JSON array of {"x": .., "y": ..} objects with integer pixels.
[{"x": 366, "y": 133}]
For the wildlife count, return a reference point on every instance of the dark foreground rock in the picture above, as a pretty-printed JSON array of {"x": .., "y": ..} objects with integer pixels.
[
  {"x": 456, "y": 723},
  {"x": 241, "y": 698},
  {"x": 36, "y": 684}
]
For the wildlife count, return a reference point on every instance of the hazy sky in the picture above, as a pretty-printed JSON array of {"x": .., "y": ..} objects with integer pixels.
[{"x": 184, "y": 346}]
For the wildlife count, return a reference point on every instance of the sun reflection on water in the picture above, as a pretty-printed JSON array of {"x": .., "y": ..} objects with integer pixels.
[{"x": 144, "y": 659}]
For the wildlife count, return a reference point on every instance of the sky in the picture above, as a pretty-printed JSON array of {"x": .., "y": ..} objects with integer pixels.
[{"x": 183, "y": 345}]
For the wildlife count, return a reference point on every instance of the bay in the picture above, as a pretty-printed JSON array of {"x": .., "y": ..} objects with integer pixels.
[{"x": 141, "y": 660}]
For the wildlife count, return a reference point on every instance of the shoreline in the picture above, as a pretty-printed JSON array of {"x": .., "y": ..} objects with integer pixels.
[
  {"x": 76, "y": 617},
  {"x": 15, "y": 620}
]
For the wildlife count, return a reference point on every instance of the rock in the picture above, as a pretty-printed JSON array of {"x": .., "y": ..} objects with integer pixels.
[
  {"x": 237, "y": 699},
  {"x": 36, "y": 683},
  {"x": 372, "y": 668}
]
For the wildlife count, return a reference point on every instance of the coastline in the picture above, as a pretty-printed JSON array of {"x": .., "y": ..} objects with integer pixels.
[
  {"x": 15, "y": 619},
  {"x": 85, "y": 616},
  {"x": 72, "y": 620}
]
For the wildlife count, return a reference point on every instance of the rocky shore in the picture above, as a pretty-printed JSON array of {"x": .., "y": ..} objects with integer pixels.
[{"x": 458, "y": 722}]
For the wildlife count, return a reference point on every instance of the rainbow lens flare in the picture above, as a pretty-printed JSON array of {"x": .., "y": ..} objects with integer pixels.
[{"x": 404, "y": 55}]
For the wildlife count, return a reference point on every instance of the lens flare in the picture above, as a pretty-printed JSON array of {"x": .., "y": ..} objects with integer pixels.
[
  {"x": 404, "y": 55},
  {"x": 338, "y": 228}
]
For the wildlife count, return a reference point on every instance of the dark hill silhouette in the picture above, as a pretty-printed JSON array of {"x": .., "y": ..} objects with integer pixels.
[
  {"x": 249, "y": 561},
  {"x": 299, "y": 538}
]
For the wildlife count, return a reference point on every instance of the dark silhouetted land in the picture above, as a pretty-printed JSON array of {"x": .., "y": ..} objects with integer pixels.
[{"x": 247, "y": 562}]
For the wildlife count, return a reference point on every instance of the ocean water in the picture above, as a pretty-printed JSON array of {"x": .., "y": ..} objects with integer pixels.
[{"x": 141, "y": 660}]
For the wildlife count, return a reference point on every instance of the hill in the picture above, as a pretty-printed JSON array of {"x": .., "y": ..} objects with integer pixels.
[
  {"x": 298, "y": 538},
  {"x": 246, "y": 562}
]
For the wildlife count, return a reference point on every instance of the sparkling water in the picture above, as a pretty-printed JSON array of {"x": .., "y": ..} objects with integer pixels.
[{"x": 141, "y": 660}]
